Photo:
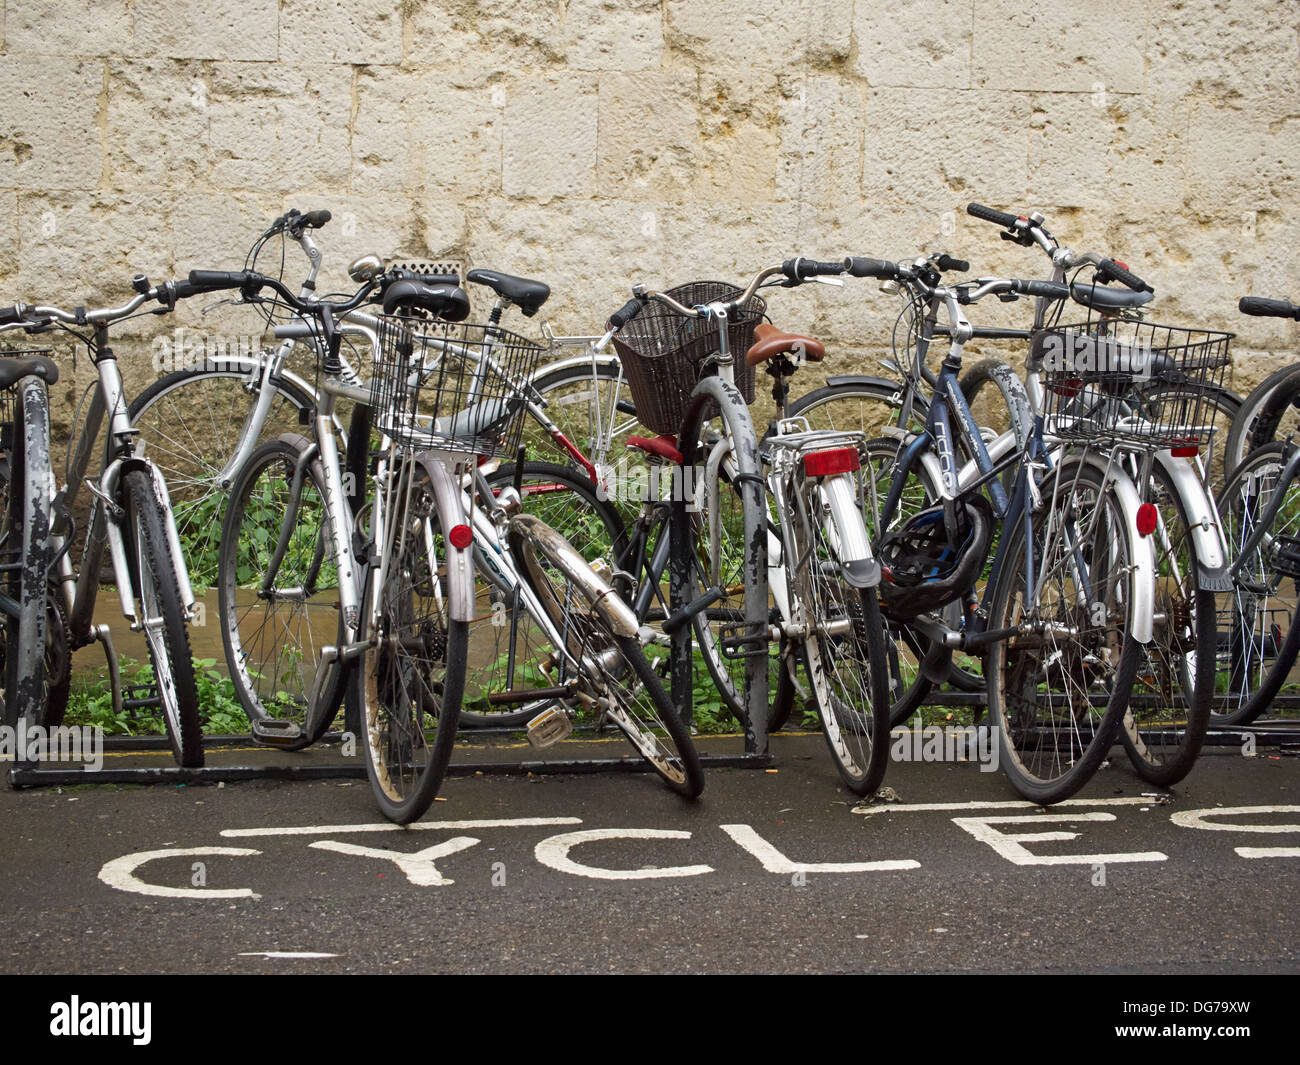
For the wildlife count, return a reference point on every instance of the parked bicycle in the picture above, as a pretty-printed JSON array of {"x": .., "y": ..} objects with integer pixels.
[{"x": 130, "y": 518}]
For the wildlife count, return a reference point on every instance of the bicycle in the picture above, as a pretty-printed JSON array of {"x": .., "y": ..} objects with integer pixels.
[
  {"x": 442, "y": 394},
  {"x": 1066, "y": 606},
  {"x": 131, "y": 517}
]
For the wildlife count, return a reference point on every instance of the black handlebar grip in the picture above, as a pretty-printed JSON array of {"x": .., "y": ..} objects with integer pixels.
[
  {"x": 1265, "y": 308},
  {"x": 799, "y": 269},
  {"x": 946, "y": 262},
  {"x": 1109, "y": 268},
  {"x": 312, "y": 220},
  {"x": 1000, "y": 218},
  {"x": 856, "y": 266},
  {"x": 214, "y": 280},
  {"x": 626, "y": 313},
  {"x": 9, "y": 315},
  {"x": 1052, "y": 290}
]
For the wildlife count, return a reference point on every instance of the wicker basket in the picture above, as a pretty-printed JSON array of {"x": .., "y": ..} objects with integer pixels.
[{"x": 662, "y": 351}]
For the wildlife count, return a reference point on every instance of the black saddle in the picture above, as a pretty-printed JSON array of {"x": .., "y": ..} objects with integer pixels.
[
  {"x": 13, "y": 369},
  {"x": 524, "y": 293},
  {"x": 448, "y": 302}
]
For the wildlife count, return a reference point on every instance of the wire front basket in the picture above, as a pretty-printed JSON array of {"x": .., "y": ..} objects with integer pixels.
[
  {"x": 1135, "y": 384},
  {"x": 451, "y": 386},
  {"x": 663, "y": 352}
]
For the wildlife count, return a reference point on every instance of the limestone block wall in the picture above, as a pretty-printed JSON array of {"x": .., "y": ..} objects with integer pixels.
[{"x": 593, "y": 143}]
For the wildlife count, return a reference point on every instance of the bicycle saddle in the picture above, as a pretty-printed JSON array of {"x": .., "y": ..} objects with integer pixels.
[
  {"x": 12, "y": 369},
  {"x": 1103, "y": 298},
  {"x": 447, "y": 302},
  {"x": 523, "y": 292},
  {"x": 769, "y": 342}
]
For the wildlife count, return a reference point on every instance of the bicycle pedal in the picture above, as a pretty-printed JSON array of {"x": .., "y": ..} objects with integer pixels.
[
  {"x": 549, "y": 727},
  {"x": 275, "y": 733}
]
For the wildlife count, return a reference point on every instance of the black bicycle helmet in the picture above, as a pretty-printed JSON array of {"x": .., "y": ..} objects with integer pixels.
[{"x": 921, "y": 568}]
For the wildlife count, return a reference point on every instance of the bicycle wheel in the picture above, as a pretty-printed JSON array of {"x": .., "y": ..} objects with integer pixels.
[
  {"x": 1164, "y": 726},
  {"x": 602, "y": 658},
  {"x": 1268, "y": 412},
  {"x": 274, "y": 636},
  {"x": 1058, "y": 689},
  {"x": 409, "y": 679},
  {"x": 161, "y": 615},
  {"x": 508, "y": 651},
  {"x": 190, "y": 422},
  {"x": 844, "y": 653},
  {"x": 1258, "y": 638}
]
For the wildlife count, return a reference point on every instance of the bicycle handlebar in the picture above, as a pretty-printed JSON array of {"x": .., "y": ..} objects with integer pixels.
[
  {"x": 998, "y": 218},
  {"x": 800, "y": 269},
  {"x": 1266, "y": 308},
  {"x": 857, "y": 266},
  {"x": 1111, "y": 270}
]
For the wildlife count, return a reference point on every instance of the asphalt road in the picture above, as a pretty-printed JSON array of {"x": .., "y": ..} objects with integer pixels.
[{"x": 768, "y": 872}]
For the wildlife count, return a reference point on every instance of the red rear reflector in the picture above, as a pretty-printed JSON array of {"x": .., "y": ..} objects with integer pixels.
[
  {"x": 1185, "y": 452},
  {"x": 1147, "y": 518},
  {"x": 828, "y": 463},
  {"x": 461, "y": 536}
]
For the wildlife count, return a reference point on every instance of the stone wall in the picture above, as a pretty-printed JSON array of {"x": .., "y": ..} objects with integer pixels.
[{"x": 592, "y": 143}]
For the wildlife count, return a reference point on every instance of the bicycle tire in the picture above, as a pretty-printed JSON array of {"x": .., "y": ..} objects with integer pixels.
[
  {"x": 276, "y": 682},
  {"x": 153, "y": 577},
  {"x": 1163, "y": 752},
  {"x": 546, "y": 559},
  {"x": 1261, "y": 414},
  {"x": 857, "y": 737},
  {"x": 190, "y": 458},
  {"x": 410, "y": 676},
  {"x": 1009, "y": 663},
  {"x": 1255, "y": 678}
]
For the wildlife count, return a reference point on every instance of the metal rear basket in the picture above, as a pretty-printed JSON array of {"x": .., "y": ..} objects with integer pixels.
[
  {"x": 662, "y": 352},
  {"x": 451, "y": 386},
  {"x": 1137, "y": 384}
]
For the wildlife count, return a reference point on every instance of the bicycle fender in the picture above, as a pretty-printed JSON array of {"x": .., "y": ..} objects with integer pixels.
[
  {"x": 618, "y": 614},
  {"x": 860, "y": 568},
  {"x": 460, "y": 561},
  {"x": 1144, "y": 567},
  {"x": 1212, "y": 569}
]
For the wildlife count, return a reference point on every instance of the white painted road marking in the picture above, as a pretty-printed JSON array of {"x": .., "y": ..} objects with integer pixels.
[
  {"x": 1011, "y": 845},
  {"x": 775, "y": 862},
  {"x": 120, "y": 873},
  {"x": 283, "y": 954},
  {"x": 1268, "y": 852},
  {"x": 1197, "y": 818},
  {"x": 1003, "y": 804},
  {"x": 388, "y": 826},
  {"x": 554, "y": 853},
  {"x": 418, "y": 867}
]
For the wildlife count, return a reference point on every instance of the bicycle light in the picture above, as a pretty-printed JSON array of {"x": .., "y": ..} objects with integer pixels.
[
  {"x": 1147, "y": 517},
  {"x": 829, "y": 463},
  {"x": 461, "y": 536}
]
